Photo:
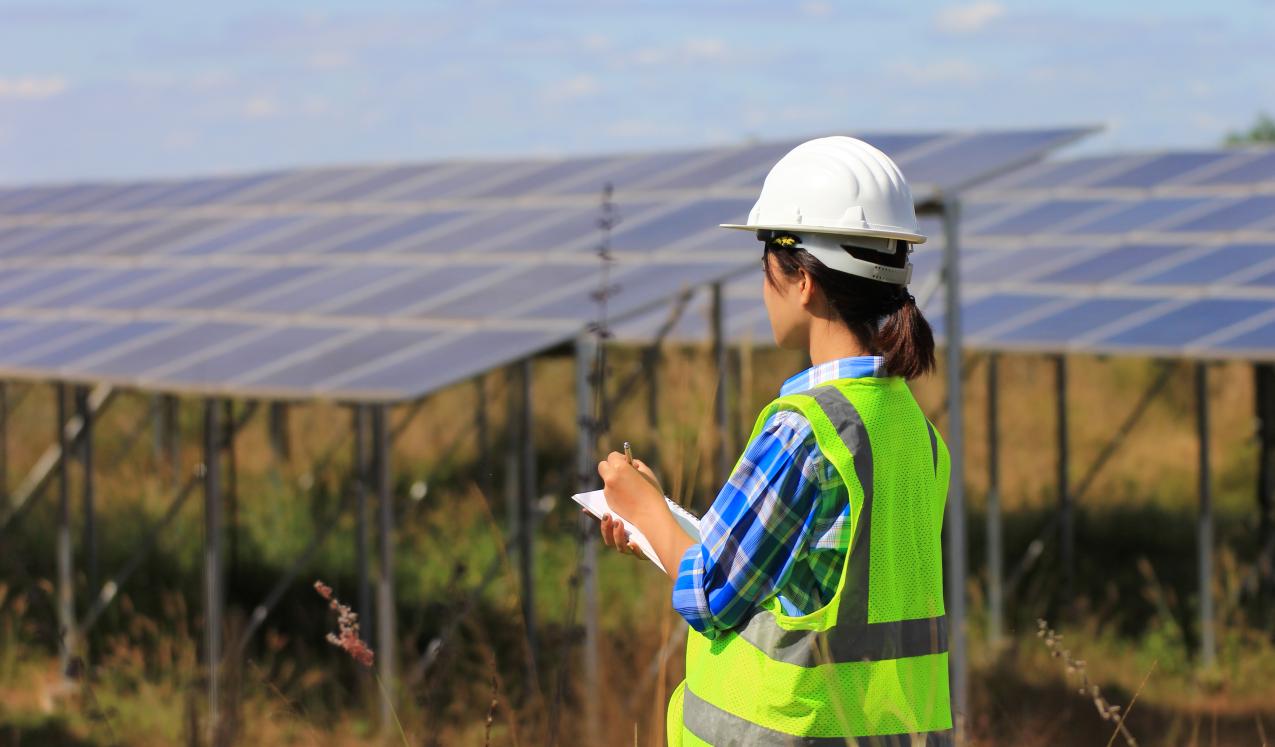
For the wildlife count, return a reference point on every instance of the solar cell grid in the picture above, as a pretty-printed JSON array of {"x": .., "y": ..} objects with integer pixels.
[
  {"x": 1233, "y": 215},
  {"x": 317, "y": 364},
  {"x": 1210, "y": 264},
  {"x": 1159, "y": 169},
  {"x": 390, "y": 232},
  {"x": 447, "y": 361},
  {"x": 1259, "y": 168},
  {"x": 110, "y": 337},
  {"x": 1040, "y": 216},
  {"x": 41, "y": 282},
  {"x": 324, "y": 288},
  {"x": 1112, "y": 264},
  {"x": 236, "y": 234},
  {"x": 1075, "y": 321},
  {"x": 1182, "y": 326},
  {"x": 103, "y": 282},
  {"x": 680, "y": 224},
  {"x": 1138, "y": 215},
  {"x": 182, "y": 341},
  {"x": 409, "y": 290}
]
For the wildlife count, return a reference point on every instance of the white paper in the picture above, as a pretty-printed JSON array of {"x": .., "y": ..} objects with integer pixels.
[{"x": 595, "y": 502}]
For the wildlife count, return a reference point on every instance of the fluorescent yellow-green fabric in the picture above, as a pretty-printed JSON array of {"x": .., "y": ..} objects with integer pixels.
[{"x": 908, "y": 468}]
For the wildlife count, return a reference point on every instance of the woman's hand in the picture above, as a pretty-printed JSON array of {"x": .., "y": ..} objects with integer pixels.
[
  {"x": 615, "y": 535},
  {"x": 631, "y": 493}
]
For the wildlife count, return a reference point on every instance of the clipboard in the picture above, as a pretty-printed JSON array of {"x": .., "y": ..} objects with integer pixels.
[{"x": 595, "y": 502}]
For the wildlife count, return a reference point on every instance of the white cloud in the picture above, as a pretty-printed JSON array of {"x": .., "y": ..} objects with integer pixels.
[
  {"x": 334, "y": 59},
  {"x": 953, "y": 72},
  {"x": 260, "y": 107},
  {"x": 32, "y": 87},
  {"x": 577, "y": 87},
  {"x": 816, "y": 8},
  {"x": 969, "y": 18},
  {"x": 688, "y": 51}
]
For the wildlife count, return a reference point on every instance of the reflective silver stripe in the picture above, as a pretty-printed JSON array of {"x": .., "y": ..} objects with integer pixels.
[
  {"x": 724, "y": 729},
  {"x": 852, "y": 638},
  {"x": 846, "y": 643}
]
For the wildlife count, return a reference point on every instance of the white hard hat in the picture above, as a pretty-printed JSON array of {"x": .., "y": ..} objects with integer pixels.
[{"x": 834, "y": 187}]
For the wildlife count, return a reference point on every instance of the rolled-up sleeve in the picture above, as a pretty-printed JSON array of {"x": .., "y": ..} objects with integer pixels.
[{"x": 756, "y": 530}]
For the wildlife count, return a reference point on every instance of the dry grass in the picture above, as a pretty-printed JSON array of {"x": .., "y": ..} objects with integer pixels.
[{"x": 294, "y": 691}]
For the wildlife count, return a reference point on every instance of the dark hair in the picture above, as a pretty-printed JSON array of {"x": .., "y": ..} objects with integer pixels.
[{"x": 883, "y": 317}]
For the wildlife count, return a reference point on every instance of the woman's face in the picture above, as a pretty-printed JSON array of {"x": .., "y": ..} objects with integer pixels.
[{"x": 786, "y": 301}]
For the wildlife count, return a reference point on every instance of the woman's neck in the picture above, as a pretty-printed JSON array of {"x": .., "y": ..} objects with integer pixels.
[{"x": 830, "y": 341}]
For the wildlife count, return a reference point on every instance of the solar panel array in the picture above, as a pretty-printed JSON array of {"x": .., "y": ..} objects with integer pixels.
[
  {"x": 1169, "y": 254},
  {"x": 383, "y": 283}
]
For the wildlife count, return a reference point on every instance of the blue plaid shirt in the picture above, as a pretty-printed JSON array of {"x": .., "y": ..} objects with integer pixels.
[{"x": 780, "y": 525}]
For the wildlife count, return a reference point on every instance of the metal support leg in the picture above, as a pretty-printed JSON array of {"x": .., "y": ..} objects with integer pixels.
[
  {"x": 280, "y": 438},
  {"x": 720, "y": 414},
  {"x": 385, "y": 582},
  {"x": 213, "y": 573},
  {"x": 652, "y": 449},
  {"x": 231, "y": 493},
  {"x": 1066, "y": 517},
  {"x": 66, "y": 589},
  {"x": 483, "y": 424},
  {"x": 1208, "y": 645},
  {"x": 172, "y": 437},
  {"x": 586, "y": 471},
  {"x": 954, "y": 519},
  {"x": 995, "y": 571},
  {"x": 527, "y": 522},
  {"x": 86, "y": 460},
  {"x": 362, "y": 537},
  {"x": 513, "y": 452}
]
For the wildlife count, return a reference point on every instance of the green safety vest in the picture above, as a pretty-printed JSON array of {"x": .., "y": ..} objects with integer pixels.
[{"x": 870, "y": 667}]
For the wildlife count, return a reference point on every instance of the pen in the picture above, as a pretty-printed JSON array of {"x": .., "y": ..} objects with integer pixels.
[{"x": 628, "y": 452}]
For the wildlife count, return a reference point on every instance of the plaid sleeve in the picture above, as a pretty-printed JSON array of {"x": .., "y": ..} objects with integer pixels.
[{"x": 755, "y": 531}]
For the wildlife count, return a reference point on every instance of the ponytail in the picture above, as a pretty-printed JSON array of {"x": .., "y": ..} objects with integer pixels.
[
  {"x": 884, "y": 317},
  {"x": 906, "y": 341}
]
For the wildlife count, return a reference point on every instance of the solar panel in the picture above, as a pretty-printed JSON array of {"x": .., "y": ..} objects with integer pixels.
[
  {"x": 387, "y": 281},
  {"x": 1039, "y": 217}
]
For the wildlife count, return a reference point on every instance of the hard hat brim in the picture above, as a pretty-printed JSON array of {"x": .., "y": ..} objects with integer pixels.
[{"x": 883, "y": 233}]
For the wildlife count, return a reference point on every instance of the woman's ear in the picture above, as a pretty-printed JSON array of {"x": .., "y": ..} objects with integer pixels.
[{"x": 805, "y": 286}]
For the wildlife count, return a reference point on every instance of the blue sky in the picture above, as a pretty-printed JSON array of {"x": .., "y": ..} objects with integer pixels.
[{"x": 151, "y": 88}]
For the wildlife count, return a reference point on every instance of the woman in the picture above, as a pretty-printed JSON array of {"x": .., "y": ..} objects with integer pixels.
[{"x": 815, "y": 596}]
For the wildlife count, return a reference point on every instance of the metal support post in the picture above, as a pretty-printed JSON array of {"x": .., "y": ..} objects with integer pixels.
[
  {"x": 214, "y": 582},
  {"x": 1066, "y": 516},
  {"x": 955, "y": 514},
  {"x": 66, "y": 589},
  {"x": 586, "y": 471},
  {"x": 86, "y": 461},
  {"x": 280, "y": 438},
  {"x": 720, "y": 414},
  {"x": 362, "y": 536},
  {"x": 1208, "y": 645},
  {"x": 385, "y": 581},
  {"x": 483, "y": 423},
  {"x": 527, "y": 522},
  {"x": 995, "y": 571}
]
